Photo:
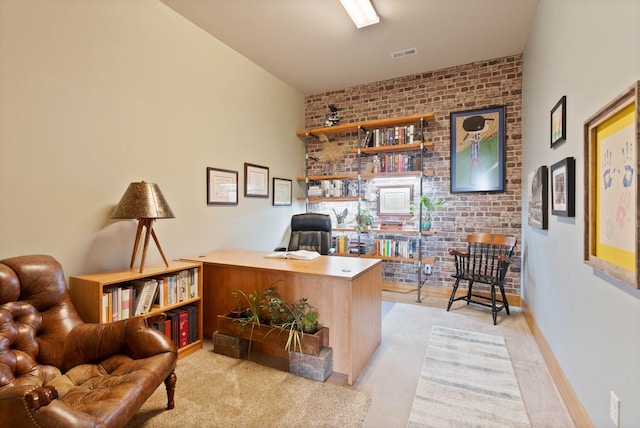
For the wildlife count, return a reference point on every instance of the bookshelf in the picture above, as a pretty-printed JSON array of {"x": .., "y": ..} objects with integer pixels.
[
  {"x": 92, "y": 293},
  {"x": 375, "y": 153}
]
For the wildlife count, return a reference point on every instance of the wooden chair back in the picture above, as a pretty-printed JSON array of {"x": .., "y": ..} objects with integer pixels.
[{"x": 487, "y": 258}]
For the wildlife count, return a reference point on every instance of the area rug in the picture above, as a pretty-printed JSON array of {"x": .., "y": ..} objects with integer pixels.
[
  {"x": 467, "y": 380},
  {"x": 218, "y": 391}
]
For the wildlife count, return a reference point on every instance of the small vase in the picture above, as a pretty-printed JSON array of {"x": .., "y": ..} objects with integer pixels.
[{"x": 425, "y": 225}]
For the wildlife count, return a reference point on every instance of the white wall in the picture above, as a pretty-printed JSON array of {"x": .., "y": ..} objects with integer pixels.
[
  {"x": 97, "y": 94},
  {"x": 588, "y": 50}
]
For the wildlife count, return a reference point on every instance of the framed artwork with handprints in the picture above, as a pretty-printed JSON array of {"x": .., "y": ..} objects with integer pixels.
[
  {"x": 611, "y": 188},
  {"x": 478, "y": 150}
]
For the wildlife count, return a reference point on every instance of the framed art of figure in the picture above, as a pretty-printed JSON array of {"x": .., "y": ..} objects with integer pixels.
[
  {"x": 563, "y": 188},
  {"x": 538, "y": 186},
  {"x": 611, "y": 188},
  {"x": 256, "y": 181},
  {"x": 559, "y": 122},
  {"x": 222, "y": 186},
  {"x": 478, "y": 150}
]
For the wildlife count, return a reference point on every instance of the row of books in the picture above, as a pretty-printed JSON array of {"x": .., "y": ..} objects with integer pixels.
[
  {"x": 180, "y": 325},
  {"x": 395, "y": 162},
  {"x": 390, "y": 136},
  {"x": 378, "y": 247},
  {"x": 138, "y": 297},
  {"x": 396, "y": 248},
  {"x": 332, "y": 188},
  {"x": 343, "y": 245}
]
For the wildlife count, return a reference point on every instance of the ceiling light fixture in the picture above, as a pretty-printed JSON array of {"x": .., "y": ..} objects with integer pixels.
[{"x": 361, "y": 12}]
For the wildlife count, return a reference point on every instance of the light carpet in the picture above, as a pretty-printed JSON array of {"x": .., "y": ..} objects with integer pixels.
[
  {"x": 218, "y": 391},
  {"x": 467, "y": 380}
]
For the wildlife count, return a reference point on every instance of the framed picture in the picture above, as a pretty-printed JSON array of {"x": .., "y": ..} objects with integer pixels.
[
  {"x": 281, "y": 191},
  {"x": 256, "y": 181},
  {"x": 563, "y": 188},
  {"x": 222, "y": 186},
  {"x": 559, "y": 122},
  {"x": 395, "y": 200},
  {"x": 611, "y": 188},
  {"x": 538, "y": 197},
  {"x": 478, "y": 150}
]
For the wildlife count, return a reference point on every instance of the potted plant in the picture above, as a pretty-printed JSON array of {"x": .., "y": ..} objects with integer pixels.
[
  {"x": 273, "y": 321},
  {"x": 247, "y": 315},
  {"x": 363, "y": 218},
  {"x": 428, "y": 207},
  {"x": 296, "y": 319}
]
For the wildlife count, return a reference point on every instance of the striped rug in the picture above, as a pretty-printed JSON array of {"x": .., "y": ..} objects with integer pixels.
[{"x": 467, "y": 380}]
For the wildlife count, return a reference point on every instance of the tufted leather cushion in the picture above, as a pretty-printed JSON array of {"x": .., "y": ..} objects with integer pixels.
[{"x": 56, "y": 370}]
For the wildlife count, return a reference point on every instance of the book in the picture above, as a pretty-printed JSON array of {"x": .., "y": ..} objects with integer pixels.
[{"x": 296, "y": 255}]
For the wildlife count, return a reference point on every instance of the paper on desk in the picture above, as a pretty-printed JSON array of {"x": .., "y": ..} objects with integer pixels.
[{"x": 297, "y": 255}]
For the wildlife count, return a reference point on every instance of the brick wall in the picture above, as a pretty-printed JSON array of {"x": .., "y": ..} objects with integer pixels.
[{"x": 477, "y": 85}]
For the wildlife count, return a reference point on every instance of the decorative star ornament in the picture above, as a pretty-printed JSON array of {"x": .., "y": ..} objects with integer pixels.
[{"x": 331, "y": 153}]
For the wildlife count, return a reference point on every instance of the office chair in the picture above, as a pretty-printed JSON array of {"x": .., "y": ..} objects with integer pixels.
[{"x": 311, "y": 232}]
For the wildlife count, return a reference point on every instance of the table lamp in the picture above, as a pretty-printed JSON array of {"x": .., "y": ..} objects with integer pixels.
[{"x": 145, "y": 202}]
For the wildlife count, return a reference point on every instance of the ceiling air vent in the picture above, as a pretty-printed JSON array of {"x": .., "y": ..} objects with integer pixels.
[{"x": 404, "y": 52}]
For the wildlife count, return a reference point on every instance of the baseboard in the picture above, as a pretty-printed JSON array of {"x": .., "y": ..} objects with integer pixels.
[
  {"x": 445, "y": 292},
  {"x": 574, "y": 406}
]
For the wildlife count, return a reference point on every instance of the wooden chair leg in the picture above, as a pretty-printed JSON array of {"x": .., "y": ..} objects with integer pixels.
[
  {"x": 469, "y": 292},
  {"x": 494, "y": 311},
  {"x": 504, "y": 299},
  {"x": 453, "y": 293},
  {"x": 170, "y": 384}
]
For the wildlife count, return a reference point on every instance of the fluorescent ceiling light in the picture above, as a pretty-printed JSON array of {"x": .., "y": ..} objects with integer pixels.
[{"x": 361, "y": 12}]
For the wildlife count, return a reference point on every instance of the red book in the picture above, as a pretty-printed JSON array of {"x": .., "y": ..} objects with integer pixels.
[
  {"x": 184, "y": 327},
  {"x": 167, "y": 328}
]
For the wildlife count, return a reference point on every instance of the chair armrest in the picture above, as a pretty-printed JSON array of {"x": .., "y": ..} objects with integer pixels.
[
  {"x": 17, "y": 403},
  {"x": 458, "y": 253},
  {"x": 93, "y": 343}
]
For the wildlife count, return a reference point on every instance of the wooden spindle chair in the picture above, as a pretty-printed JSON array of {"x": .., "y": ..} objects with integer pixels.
[{"x": 486, "y": 261}]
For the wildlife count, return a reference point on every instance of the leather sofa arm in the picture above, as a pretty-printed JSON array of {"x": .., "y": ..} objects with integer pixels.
[
  {"x": 18, "y": 403},
  {"x": 93, "y": 343}
]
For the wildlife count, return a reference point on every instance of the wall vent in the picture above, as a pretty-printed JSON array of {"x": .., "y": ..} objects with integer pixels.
[{"x": 404, "y": 52}]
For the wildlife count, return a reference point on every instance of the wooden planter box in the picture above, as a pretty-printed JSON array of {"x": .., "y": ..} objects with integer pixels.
[{"x": 272, "y": 336}]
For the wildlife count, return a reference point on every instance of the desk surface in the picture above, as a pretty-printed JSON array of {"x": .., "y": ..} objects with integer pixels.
[{"x": 334, "y": 266}]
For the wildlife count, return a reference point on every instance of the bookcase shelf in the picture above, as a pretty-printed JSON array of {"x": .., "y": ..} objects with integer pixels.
[
  {"x": 87, "y": 293},
  {"x": 374, "y": 152}
]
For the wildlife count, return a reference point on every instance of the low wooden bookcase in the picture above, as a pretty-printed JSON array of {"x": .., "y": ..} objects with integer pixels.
[{"x": 87, "y": 295}]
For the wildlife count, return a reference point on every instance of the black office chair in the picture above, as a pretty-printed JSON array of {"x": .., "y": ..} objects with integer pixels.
[{"x": 311, "y": 232}]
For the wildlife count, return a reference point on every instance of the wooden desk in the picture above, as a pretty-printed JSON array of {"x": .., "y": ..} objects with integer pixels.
[{"x": 347, "y": 291}]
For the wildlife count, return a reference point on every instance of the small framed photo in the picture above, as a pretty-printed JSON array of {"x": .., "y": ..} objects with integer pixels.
[
  {"x": 395, "y": 200},
  {"x": 478, "y": 150},
  {"x": 563, "y": 188},
  {"x": 222, "y": 186},
  {"x": 538, "y": 197},
  {"x": 281, "y": 191},
  {"x": 256, "y": 181},
  {"x": 559, "y": 122}
]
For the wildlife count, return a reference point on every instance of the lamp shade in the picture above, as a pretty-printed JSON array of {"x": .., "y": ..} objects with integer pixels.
[{"x": 142, "y": 200}]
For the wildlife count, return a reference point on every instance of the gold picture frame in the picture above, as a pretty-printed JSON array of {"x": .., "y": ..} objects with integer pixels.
[{"x": 611, "y": 188}]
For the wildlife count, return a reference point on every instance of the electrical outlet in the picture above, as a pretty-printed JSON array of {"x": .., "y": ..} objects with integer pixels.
[
  {"x": 614, "y": 408},
  {"x": 427, "y": 269}
]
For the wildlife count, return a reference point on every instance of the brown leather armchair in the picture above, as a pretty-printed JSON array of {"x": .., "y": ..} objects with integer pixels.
[{"x": 56, "y": 370}]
